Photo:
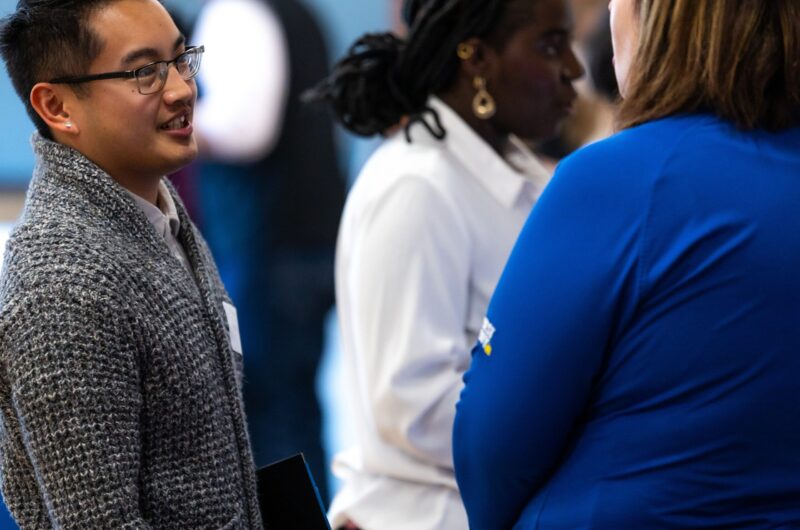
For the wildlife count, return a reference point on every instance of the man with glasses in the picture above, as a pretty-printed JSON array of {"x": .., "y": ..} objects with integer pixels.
[{"x": 120, "y": 360}]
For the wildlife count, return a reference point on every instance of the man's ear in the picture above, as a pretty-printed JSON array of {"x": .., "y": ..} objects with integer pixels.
[{"x": 52, "y": 104}]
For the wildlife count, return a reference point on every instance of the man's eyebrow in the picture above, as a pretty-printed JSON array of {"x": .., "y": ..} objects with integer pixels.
[
  {"x": 150, "y": 53},
  {"x": 180, "y": 41}
]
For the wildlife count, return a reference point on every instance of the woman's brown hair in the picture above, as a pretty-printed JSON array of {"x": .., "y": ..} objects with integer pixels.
[{"x": 737, "y": 58}]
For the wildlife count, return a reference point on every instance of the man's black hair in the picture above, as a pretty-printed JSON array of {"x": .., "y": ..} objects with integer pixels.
[
  {"x": 384, "y": 78},
  {"x": 45, "y": 39}
]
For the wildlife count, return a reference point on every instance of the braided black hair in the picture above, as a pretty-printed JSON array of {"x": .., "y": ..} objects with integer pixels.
[
  {"x": 361, "y": 88},
  {"x": 383, "y": 78}
]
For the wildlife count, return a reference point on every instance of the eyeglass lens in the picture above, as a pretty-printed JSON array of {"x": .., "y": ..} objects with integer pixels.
[{"x": 151, "y": 78}]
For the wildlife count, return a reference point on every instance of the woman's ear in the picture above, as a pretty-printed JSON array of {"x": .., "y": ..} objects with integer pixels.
[
  {"x": 51, "y": 104},
  {"x": 475, "y": 57}
]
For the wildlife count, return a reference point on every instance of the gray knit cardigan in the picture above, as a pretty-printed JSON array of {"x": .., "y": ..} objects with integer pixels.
[{"x": 120, "y": 396}]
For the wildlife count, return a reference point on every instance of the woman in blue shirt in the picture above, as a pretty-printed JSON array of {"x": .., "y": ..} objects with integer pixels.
[{"x": 639, "y": 364}]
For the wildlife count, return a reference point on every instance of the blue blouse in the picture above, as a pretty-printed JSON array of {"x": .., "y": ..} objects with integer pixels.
[{"x": 640, "y": 363}]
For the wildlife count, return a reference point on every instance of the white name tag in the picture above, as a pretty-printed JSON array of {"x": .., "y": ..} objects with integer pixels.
[{"x": 233, "y": 327}]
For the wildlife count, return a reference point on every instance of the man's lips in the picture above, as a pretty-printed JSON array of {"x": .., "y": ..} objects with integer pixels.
[
  {"x": 177, "y": 122},
  {"x": 179, "y": 126}
]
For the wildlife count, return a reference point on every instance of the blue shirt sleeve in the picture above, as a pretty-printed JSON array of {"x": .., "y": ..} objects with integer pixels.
[{"x": 569, "y": 285}]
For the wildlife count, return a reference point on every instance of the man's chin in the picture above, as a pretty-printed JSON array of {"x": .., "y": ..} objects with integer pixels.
[{"x": 184, "y": 157}]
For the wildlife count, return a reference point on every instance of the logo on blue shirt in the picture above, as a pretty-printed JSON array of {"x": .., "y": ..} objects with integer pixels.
[{"x": 485, "y": 336}]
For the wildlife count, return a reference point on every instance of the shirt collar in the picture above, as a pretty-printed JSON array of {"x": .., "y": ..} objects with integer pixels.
[
  {"x": 164, "y": 215},
  {"x": 506, "y": 178}
]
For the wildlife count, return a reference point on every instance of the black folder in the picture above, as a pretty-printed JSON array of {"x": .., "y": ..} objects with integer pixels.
[{"x": 288, "y": 496}]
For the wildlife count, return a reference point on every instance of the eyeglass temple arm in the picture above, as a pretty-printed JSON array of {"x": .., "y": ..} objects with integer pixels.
[{"x": 95, "y": 77}]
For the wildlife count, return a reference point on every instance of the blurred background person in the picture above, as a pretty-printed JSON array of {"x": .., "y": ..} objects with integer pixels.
[
  {"x": 598, "y": 54},
  {"x": 428, "y": 226},
  {"x": 269, "y": 195},
  {"x": 640, "y": 364}
]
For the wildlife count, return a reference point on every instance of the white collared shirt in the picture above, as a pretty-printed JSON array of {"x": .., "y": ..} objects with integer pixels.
[
  {"x": 425, "y": 234},
  {"x": 165, "y": 221}
]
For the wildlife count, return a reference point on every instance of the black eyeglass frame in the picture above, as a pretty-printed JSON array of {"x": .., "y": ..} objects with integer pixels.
[{"x": 134, "y": 74}]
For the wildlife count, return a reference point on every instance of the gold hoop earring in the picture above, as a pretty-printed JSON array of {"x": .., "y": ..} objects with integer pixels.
[
  {"x": 465, "y": 51},
  {"x": 483, "y": 105}
]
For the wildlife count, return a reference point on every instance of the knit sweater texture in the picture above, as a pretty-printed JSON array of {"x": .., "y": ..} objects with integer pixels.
[{"x": 120, "y": 395}]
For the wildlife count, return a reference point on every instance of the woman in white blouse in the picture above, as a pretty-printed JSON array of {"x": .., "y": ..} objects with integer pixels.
[{"x": 428, "y": 227}]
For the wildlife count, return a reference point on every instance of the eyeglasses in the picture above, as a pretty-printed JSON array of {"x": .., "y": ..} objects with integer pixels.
[{"x": 151, "y": 77}]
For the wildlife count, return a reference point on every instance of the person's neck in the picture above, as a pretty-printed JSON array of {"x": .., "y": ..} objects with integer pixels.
[
  {"x": 144, "y": 188},
  {"x": 459, "y": 98}
]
